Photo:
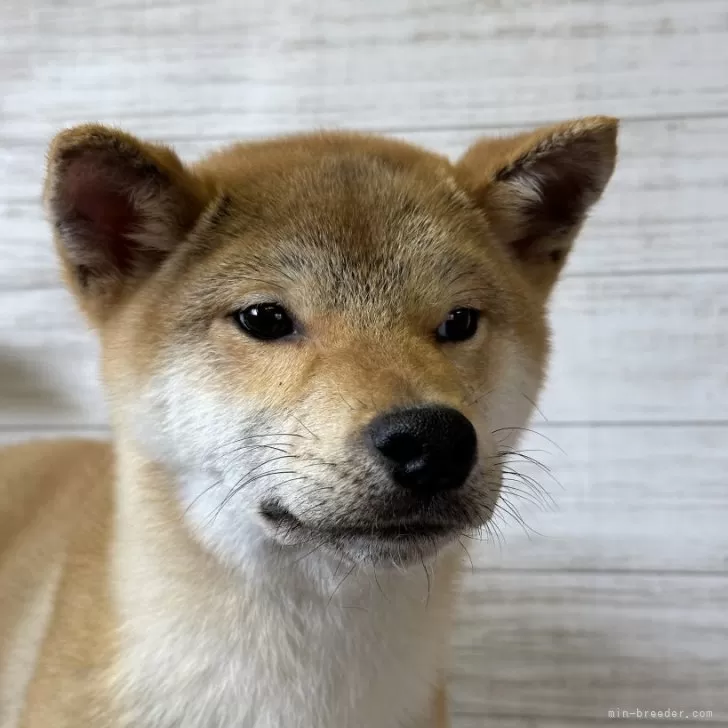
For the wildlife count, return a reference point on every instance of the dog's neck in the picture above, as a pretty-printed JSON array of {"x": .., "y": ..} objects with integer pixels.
[{"x": 191, "y": 624}]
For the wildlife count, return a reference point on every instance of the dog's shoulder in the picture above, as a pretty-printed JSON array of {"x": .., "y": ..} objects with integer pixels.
[
  {"x": 34, "y": 476},
  {"x": 52, "y": 495}
]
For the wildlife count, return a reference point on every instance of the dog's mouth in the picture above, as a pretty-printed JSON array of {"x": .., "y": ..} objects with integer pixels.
[{"x": 395, "y": 540}]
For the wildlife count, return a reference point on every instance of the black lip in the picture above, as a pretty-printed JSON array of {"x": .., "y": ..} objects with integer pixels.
[
  {"x": 397, "y": 531},
  {"x": 392, "y": 531},
  {"x": 276, "y": 513}
]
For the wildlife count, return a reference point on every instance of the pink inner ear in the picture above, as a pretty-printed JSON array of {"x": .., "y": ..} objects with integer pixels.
[{"x": 93, "y": 195}]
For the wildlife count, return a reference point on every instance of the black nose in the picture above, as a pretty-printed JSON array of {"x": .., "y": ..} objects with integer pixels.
[{"x": 427, "y": 449}]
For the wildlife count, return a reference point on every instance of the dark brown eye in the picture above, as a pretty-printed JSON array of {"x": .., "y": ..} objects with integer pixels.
[
  {"x": 460, "y": 324},
  {"x": 265, "y": 321}
]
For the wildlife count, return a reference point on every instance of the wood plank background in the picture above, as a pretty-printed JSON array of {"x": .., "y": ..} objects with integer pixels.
[{"x": 615, "y": 595}]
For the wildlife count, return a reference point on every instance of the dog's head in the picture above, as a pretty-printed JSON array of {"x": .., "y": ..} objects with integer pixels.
[{"x": 328, "y": 339}]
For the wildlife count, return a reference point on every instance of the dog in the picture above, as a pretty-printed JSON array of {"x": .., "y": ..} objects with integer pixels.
[{"x": 318, "y": 353}]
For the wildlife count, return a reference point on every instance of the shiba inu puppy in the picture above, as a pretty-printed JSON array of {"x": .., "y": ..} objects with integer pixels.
[{"x": 318, "y": 352}]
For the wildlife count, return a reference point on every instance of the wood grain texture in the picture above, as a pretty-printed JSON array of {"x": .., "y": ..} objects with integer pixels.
[
  {"x": 212, "y": 69},
  {"x": 616, "y": 499},
  {"x": 663, "y": 210},
  {"x": 575, "y": 646},
  {"x": 48, "y": 362},
  {"x": 478, "y": 720},
  {"x": 18, "y": 434},
  {"x": 639, "y": 348}
]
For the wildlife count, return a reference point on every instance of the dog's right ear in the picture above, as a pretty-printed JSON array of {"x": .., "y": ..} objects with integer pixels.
[{"x": 118, "y": 206}]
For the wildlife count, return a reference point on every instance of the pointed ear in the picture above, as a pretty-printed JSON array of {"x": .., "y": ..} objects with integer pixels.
[
  {"x": 537, "y": 188},
  {"x": 118, "y": 206}
]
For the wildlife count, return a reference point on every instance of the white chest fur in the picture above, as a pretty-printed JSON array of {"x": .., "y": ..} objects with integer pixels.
[{"x": 290, "y": 645}]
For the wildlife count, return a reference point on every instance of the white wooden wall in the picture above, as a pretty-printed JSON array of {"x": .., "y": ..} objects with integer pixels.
[{"x": 617, "y": 596}]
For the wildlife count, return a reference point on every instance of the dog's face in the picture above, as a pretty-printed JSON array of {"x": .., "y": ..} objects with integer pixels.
[{"x": 328, "y": 340}]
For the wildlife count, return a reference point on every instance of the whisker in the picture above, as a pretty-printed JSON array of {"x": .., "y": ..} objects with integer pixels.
[
  {"x": 305, "y": 427},
  {"x": 232, "y": 492},
  {"x": 310, "y": 553},
  {"x": 338, "y": 566},
  {"x": 527, "y": 480},
  {"x": 429, "y": 580},
  {"x": 202, "y": 494},
  {"x": 479, "y": 397},
  {"x": 318, "y": 461},
  {"x": 492, "y": 533},
  {"x": 467, "y": 553},
  {"x": 338, "y": 586},
  {"x": 530, "y": 484},
  {"x": 498, "y": 531},
  {"x": 271, "y": 460},
  {"x": 534, "y": 432},
  {"x": 374, "y": 567},
  {"x": 237, "y": 441},
  {"x": 539, "y": 503},
  {"x": 247, "y": 481},
  {"x": 300, "y": 516},
  {"x": 512, "y": 511},
  {"x": 268, "y": 434},
  {"x": 230, "y": 449},
  {"x": 338, "y": 391},
  {"x": 509, "y": 452},
  {"x": 534, "y": 405}
]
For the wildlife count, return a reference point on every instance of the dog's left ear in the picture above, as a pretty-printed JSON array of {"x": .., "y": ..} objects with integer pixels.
[{"x": 536, "y": 188}]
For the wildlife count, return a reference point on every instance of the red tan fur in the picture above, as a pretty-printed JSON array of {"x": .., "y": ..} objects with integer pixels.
[{"x": 213, "y": 565}]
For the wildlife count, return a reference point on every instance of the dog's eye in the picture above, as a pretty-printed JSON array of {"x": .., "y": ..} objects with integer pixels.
[
  {"x": 264, "y": 321},
  {"x": 460, "y": 324}
]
